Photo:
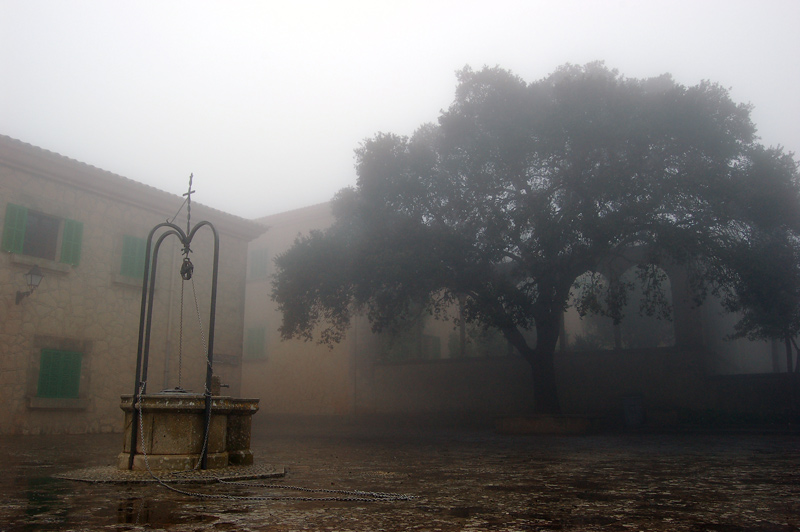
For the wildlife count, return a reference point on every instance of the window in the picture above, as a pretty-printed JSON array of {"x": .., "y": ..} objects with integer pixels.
[
  {"x": 259, "y": 263},
  {"x": 32, "y": 233},
  {"x": 133, "y": 253},
  {"x": 71, "y": 242},
  {"x": 59, "y": 374},
  {"x": 41, "y": 236},
  {"x": 254, "y": 343}
]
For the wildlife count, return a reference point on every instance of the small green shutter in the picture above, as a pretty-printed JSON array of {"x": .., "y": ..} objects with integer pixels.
[
  {"x": 14, "y": 228},
  {"x": 71, "y": 242},
  {"x": 59, "y": 374},
  {"x": 259, "y": 263},
  {"x": 133, "y": 252},
  {"x": 254, "y": 343}
]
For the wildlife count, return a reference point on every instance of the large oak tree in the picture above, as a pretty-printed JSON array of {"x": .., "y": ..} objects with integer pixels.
[{"x": 522, "y": 187}]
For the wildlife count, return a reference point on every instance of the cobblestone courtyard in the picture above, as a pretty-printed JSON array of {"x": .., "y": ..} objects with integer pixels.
[{"x": 460, "y": 479}]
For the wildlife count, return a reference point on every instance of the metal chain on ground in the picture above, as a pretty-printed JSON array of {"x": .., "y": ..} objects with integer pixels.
[{"x": 354, "y": 495}]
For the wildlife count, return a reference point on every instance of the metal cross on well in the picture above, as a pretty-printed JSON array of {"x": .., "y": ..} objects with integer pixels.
[{"x": 189, "y": 205}]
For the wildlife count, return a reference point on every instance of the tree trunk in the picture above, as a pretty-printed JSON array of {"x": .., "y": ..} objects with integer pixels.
[
  {"x": 792, "y": 375},
  {"x": 545, "y": 390},
  {"x": 462, "y": 329},
  {"x": 542, "y": 362}
]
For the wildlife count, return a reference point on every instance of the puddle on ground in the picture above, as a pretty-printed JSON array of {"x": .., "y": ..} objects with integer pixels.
[{"x": 483, "y": 481}]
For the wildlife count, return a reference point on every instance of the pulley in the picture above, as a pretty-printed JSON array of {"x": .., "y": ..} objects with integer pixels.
[{"x": 186, "y": 269}]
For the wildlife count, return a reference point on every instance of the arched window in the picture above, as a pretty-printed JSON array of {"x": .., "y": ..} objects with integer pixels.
[
  {"x": 648, "y": 316},
  {"x": 644, "y": 295},
  {"x": 584, "y": 328}
]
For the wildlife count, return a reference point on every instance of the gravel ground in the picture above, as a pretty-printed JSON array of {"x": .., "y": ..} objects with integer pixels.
[{"x": 459, "y": 479}]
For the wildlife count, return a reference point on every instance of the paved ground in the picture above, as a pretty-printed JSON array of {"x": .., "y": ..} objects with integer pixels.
[{"x": 461, "y": 479}]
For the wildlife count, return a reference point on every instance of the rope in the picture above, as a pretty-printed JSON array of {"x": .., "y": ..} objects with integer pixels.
[
  {"x": 179, "y": 210},
  {"x": 186, "y": 273},
  {"x": 180, "y": 342},
  {"x": 350, "y": 495},
  {"x": 200, "y": 323},
  {"x": 188, "y": 199},
  {"x": 208, "y": 363}
]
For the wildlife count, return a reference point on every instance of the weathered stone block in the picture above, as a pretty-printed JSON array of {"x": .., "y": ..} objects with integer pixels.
[{"x": 172, "y": 431}]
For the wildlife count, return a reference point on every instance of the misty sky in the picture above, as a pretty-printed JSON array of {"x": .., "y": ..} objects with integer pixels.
[{"x": 265, "y": 101}]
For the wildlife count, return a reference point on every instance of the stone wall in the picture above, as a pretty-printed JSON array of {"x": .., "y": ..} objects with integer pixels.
[
  {"x": 92, "y": 309},
  {"x": 667, "y": 386},
  {"x": 459, "y": 388}
]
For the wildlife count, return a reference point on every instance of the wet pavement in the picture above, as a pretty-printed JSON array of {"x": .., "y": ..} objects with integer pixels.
[{"x": 460, "y": 479}]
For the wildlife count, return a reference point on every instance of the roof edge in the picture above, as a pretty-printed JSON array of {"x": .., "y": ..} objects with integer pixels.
[{"x": 56, "y": 167}]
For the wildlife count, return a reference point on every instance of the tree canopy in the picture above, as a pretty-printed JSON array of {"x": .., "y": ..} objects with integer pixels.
[{"x": 522, "y": 187}]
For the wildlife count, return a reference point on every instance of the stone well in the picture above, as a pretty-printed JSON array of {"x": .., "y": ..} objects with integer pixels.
[{"x": 173, "y": 431}]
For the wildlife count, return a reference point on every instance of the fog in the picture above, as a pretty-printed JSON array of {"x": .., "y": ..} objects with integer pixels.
[{"x": 265, "y": 102}]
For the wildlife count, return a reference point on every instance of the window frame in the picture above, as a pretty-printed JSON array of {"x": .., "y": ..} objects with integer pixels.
[
  {"x": 255, "y": 343},
  {"x": 258, "y": 264},
  {"x": 68, "y": 238},
  {"x": 71, "y": 241},
  {"x": 134, "y": 252},
  {"x": 59, "y": 374}
]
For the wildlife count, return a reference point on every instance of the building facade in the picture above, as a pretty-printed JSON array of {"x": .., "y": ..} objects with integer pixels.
[
  {"x": 438, "y": 368},
  {"x": 291, "y": 377},
  {"x": 68, "y": 350}
]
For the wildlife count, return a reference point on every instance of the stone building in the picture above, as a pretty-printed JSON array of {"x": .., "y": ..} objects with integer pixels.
[
  {"x": 292, "y": 377},
  {"x": 68, "y": 350},
  {"x": 670, "y": 367}
]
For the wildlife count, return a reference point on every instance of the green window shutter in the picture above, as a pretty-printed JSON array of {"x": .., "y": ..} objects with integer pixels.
[
  {"x": 254, "y": 343},
  {"x": 259, "y": 263},
  {"x": 71, "y": 242},
  {"x": 14, "y": 228},
  {"x": 59, "y": 374},
  {"x": 133, "y": 252}
]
